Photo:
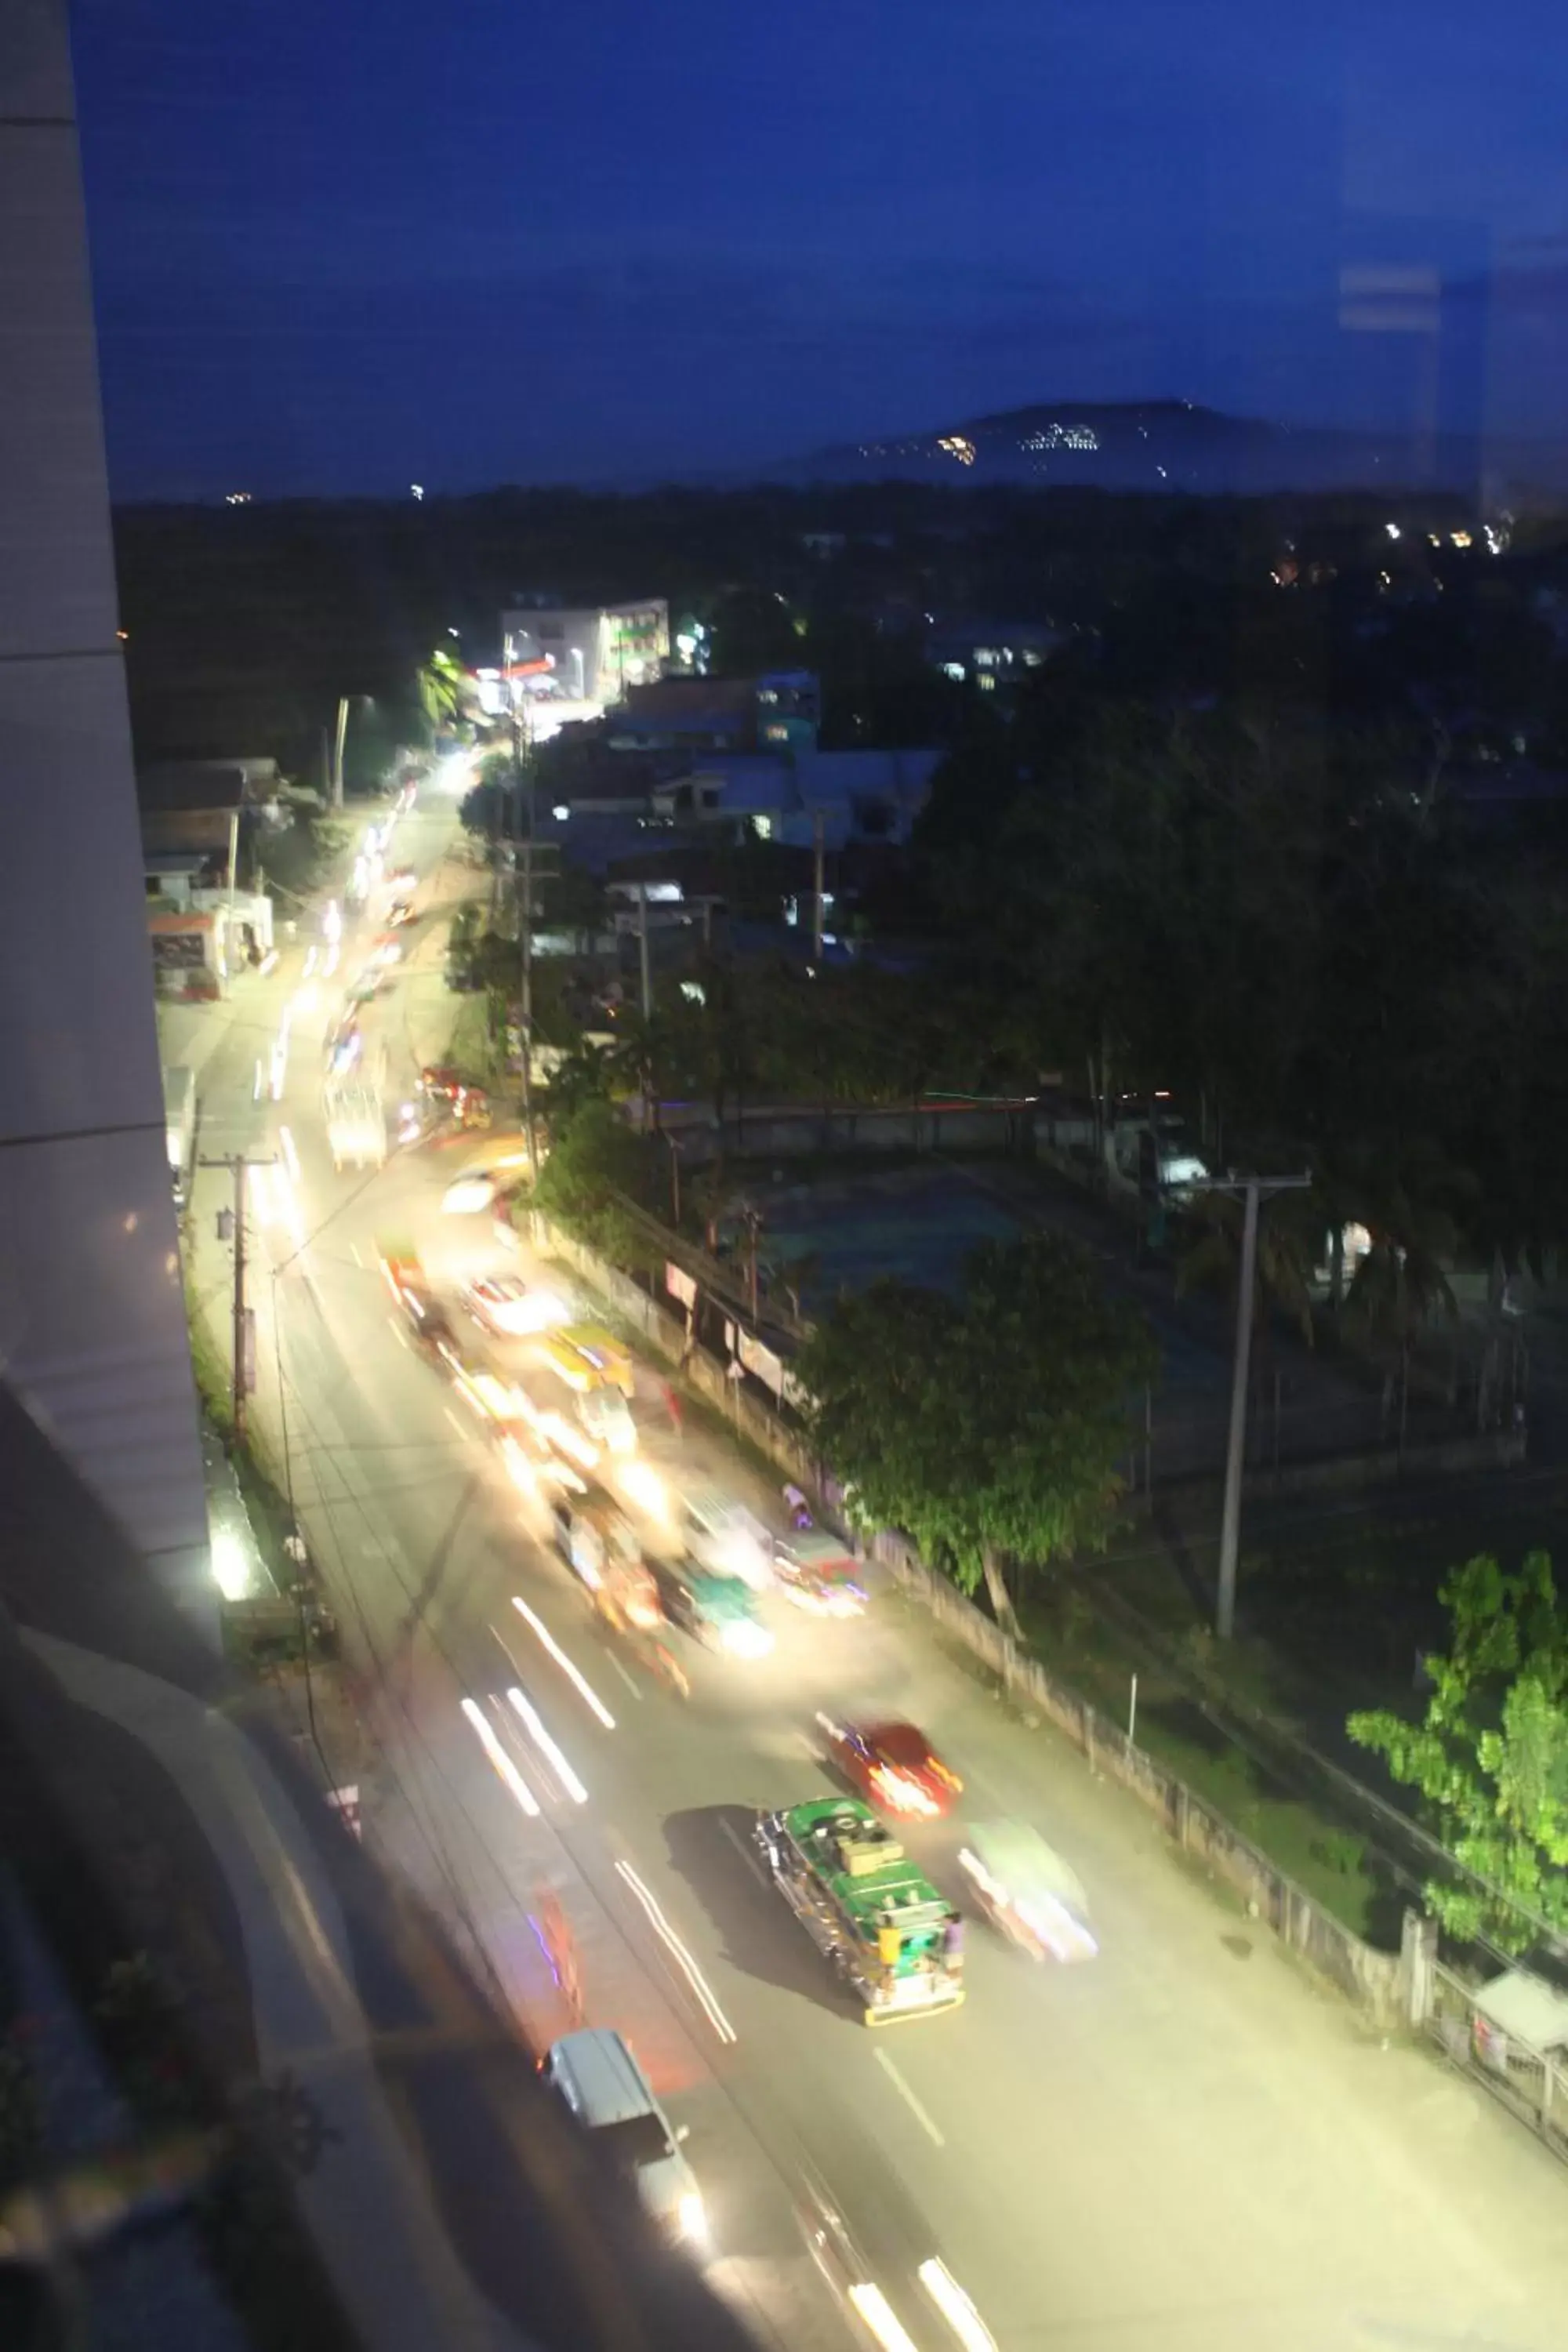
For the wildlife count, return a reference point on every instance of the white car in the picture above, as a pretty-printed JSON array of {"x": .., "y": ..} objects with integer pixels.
[
  {"x": 505, "y": 1304},
  {"x": 721, "y": 1538}
]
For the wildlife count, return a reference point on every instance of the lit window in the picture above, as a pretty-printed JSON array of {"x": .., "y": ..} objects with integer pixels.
[{"x": 987, "y": 684}]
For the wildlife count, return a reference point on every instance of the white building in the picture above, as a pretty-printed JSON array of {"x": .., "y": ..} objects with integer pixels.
[{"x": 594, "y": 654}]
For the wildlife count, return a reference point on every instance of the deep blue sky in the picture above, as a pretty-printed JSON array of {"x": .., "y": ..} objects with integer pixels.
[{"x": 350, "y": 243}]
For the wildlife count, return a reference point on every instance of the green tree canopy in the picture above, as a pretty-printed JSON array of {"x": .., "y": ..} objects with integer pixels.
[
  {"x": 1490, "y": 1758},
  {"x": 595, "y": 1169},
  {"x": 991, "y": 1426}
]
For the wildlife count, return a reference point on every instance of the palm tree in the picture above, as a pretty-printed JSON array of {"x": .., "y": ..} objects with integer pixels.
[
  {"x": 1213, "y": 1262},
  {"x": 1403, "y": 1282},
  {"x": 440, "y": 682}
]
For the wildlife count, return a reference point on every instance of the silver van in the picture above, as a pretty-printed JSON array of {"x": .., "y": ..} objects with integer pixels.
[
  {"x": 601, "y": 2083},
  {"x": 721, "y": 1538}
]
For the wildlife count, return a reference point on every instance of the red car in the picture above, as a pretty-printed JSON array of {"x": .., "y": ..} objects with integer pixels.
[{"x": 892, "y": 1766}]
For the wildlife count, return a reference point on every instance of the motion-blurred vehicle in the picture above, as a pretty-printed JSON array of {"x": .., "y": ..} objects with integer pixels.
[
  {"x": 582, "y": 1391},
  {"x": 593, "y": 1535},
  {"x": 627, "y": 1596},
  {"x": 400, "y": 912},
  {"x": 505, "y": 1304},
  {"x": 402, "y": 1270},
  {"x": 718, "y": 1612},
  {"x": 446, "y": 1088},
  {"x": 607, "y": 1418},
  {"x": 386, "y": 951},
  {"x": 819, "y": 1574},
  {"x": 530, "y": 1464},
  {"x": 403, "y": 883},
  {"x": 428, "y": 1323},
  {"x": 356, "y": 1124},
  {"x": 721, "y": 1538},
  {"x": 889, "y": 1933},
  {"x": 432, "y": 1336},
  {"x": 344, "y": 1048},
  {"x": 587, "y": 1356},
  {"x": 893, "y": 1765},
  {"x": 470, "y": 1196},
  {"x": 1027, "y": 1891}
]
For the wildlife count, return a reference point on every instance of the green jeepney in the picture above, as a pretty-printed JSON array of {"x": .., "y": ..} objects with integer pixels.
[{"x": 889, "y": 1933}]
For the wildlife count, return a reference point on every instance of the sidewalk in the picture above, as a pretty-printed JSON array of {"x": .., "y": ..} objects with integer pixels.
[{"x": 190, "y": 1034}]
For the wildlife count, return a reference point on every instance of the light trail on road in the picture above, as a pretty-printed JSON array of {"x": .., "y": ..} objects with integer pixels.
[
  {"x": 578, "y": 1680},
  {"x": 679, "y": 1953},
  {"x": 955, "y": 2306},
  {"x": 871, "y": 2306},
  {"x": 506, "y": 1771},
  {"x": 529, "y": 1716}
]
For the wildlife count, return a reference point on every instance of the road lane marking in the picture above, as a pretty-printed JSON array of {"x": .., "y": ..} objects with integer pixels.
[
  {"x": 465, "y": 1435},
  {"x": 354, "y": 1252},
  {"x": 399, "y": 1334},
  {"x": 672, "y": 1943},
  {"x": 908, "y": 2096},
  {"x": 627, "y": 1678},
  {"x": 747, "y": 1856}
]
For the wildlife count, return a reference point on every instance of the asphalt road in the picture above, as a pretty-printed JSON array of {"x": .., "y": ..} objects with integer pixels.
[{"x": 1179, "y": 2147}]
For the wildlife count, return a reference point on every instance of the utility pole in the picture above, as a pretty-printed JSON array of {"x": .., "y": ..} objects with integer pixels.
[
  {"x": 818, "y": 919},
  {"x": 522, "y": 798},
  {"x": 642, "y": 952},
  {"x": 1253, "y": 1190},
  {"x": 244, "y": 1378},
  {"x": 338, "y": 750},
  {"x": 753, "y": 1225},
  {"x": 674, "y": 1180}
]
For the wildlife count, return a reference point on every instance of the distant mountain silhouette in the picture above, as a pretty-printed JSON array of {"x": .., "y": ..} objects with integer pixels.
[{"x": 1162, "y": 446}]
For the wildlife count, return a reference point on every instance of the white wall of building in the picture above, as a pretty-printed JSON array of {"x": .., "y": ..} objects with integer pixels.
[{"x": 92, "y": 1327}]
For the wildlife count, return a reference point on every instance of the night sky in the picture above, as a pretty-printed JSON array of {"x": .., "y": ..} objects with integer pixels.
[{"x": 346, "y": 245}]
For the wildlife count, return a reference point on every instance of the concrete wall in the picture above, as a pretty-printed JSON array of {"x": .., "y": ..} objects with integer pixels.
[
  {"x": 92, "y": 1326},
  {"x": 1376, "y": 1981},
  {"x": 790, "y": 1133}
]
